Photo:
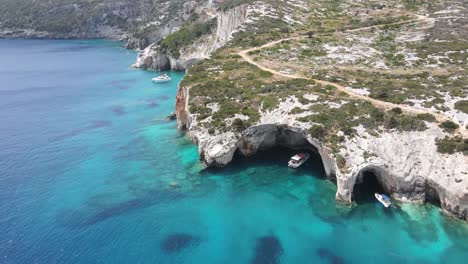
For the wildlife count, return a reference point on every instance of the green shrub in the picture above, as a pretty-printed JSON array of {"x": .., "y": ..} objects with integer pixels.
[
  {"x": 449, "y": 126},
  {"x": 426, "y": 117},
  {"x": 270, "y": 102},
  {"x": 450, "y": 145},
  {"x": 396, "y": 110},
  {"x": 265, "y": 74},
  {"x": 462, "y": 106},
  {"x": 340, "y": 161},
  {"x": 317, "y": 132},
  {"x": 186, "y": 35}
]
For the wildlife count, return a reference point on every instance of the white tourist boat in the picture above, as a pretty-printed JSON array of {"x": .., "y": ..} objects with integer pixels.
[
  {"x": 297, "y": 160},
  {"x": 383, "y": 199},
  {"x": 162, "y": 78}
]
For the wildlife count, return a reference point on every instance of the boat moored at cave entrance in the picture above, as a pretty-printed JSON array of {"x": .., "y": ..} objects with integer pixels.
[
  {"x": 383, "y": 199},
  {"x": 297, "y": 160},
  {"x": 162, "y": 78}
]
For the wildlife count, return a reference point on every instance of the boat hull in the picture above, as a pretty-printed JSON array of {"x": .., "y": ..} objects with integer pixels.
[
  {"x": 385, "y": 203},
  {"x": 160, "y": 81}
]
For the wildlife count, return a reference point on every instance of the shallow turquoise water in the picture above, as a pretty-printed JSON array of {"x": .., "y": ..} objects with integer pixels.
[{"x": 91, "y": 172}]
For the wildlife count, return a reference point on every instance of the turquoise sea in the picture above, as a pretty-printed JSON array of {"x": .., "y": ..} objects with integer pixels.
[{"x": 92, "y": 172}]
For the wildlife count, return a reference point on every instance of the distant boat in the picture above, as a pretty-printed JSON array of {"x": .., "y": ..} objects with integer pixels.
[
  {"x": 297, "y": 160},
  {"x": 162, "y": 78},
  {"x": 383, "y": 199}
]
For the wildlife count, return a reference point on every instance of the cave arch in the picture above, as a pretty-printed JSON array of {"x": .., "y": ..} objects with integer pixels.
[
  {"x": 266, "y": 137},
  {"x": 431, "y": 195},
  {"x": 370, "y": 180}
]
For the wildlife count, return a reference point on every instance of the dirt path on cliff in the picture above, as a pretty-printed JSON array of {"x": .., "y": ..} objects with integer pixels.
[{"x": 377, "y": 103}]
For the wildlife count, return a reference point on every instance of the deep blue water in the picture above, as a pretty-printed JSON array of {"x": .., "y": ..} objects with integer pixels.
[{"x": 91, "y": 172}]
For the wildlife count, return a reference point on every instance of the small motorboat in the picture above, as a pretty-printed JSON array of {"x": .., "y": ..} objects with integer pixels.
[
  {"x": 297, "y": 160},
  {"x": 162, "y": 78},
  {"x": 383, "y": 199}
]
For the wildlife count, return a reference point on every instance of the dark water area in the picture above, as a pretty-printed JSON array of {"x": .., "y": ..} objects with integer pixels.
[{"x": 92, "y": 172}]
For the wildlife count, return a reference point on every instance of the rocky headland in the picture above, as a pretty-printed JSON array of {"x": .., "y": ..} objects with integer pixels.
[
  {"x": 371, "y": 87},
  {"x": 277, "y": 103}
]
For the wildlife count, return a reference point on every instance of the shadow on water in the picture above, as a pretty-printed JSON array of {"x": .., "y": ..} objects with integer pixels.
[
  {"x": 118, "y": 110},
  {"x": 123, "y": 84},
  {"x": 268, "y": 250},
  {"x": 177, "y": 242},
  {"x": 274, "y": 157},
  {"x": 329, "y": 257},
  {"x": 91, "y": 126},
  {"x": 101, "y": 210}
]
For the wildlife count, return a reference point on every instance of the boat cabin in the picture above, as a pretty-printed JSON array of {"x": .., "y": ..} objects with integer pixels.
[{"x": 298, "y": 159}]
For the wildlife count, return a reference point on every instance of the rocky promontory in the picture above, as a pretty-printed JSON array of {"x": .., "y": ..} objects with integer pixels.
[
  {"x": 225, "y": 24},
  {"x": 277, "y": 88},
  {"x": 407, "y": 165}
]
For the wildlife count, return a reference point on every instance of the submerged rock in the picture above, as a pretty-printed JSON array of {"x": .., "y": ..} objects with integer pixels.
[
  {"x": 327, "y": 255},
  {"x": 172, "y": 116},
  {"x": 267, "y": 251},
  {"x": 177, "y": 242}
]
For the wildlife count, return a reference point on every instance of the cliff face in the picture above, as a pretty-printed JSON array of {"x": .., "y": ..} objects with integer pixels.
[
  {"x": 142, "y": 22},
  {"x": 408, "y": 167},
  {"x": 227, "y": 22},
  {"x": 366, "y": 111},
  {"x": 405, "y": 164}
]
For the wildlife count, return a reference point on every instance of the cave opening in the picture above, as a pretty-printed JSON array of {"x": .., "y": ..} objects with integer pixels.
[
  {"x": 432, "y": 196},
  {"x": 367, "y": 184},
  {"x": 279, "y": 156},
  {"x": 268, "y": 148}
]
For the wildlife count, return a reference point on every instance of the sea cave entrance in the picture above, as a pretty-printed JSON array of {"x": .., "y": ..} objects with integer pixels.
[
  {"x": 432, "y": 195},
  {"x": 276, "y": 144},
  {"x": 368, "y": 182},
  {"x": 279, "y": 156}
]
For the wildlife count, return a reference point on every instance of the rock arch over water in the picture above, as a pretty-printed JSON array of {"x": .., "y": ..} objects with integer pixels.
[{"x": 264, "y": 137}]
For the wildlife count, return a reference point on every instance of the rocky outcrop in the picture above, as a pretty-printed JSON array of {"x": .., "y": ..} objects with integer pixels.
[
  {"x": 266, "y": 136},
  {"x": 406, "y": 164},
  {"x": 153, "y": 57}
]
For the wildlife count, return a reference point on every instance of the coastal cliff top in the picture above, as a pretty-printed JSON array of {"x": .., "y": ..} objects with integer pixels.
[{"x": 332, "y": 66}]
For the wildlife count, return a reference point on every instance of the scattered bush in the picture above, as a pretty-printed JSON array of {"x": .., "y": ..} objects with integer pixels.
[
  {"x": 426, "y": 117},
  {"x": 449, "y": 126},
  {"x": 396, "y": 110},
  {"x": 340, "y": 161},
  {"x": 462, "y": 106},
  {"x": 317, "y": 132},
  {"x": 450, "y": 145},
  {"x": 186, "y": 35}
]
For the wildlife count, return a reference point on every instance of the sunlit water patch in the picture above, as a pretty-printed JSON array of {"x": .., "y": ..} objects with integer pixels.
[{"x": 91, "y": 171}]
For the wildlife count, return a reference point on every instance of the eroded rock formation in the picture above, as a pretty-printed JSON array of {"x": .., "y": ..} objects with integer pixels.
[
  {"x": 407, "y": 165},
  {"x": 153, "y": 57}
]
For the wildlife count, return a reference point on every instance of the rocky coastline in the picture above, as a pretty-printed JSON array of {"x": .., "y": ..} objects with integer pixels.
[{"x": 406, "y": 166}]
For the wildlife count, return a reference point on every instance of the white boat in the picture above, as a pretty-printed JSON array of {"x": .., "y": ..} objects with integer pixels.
[
  {"x": 162, "y": 78},
  {"x": 297, "y": 160},
  {"x": 383, "y": 199}
]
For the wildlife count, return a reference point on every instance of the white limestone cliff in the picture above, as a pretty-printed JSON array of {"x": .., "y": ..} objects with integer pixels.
[
  {"x": 227, "y": 23},
  {"x": 406, "y": 164}
]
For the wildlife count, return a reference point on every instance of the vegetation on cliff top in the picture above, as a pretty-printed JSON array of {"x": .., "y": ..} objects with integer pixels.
[
  {"x": 228, "y": 94},
  {"x": 186, "y": 35},
  {"x": 451, "y": 145}
]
